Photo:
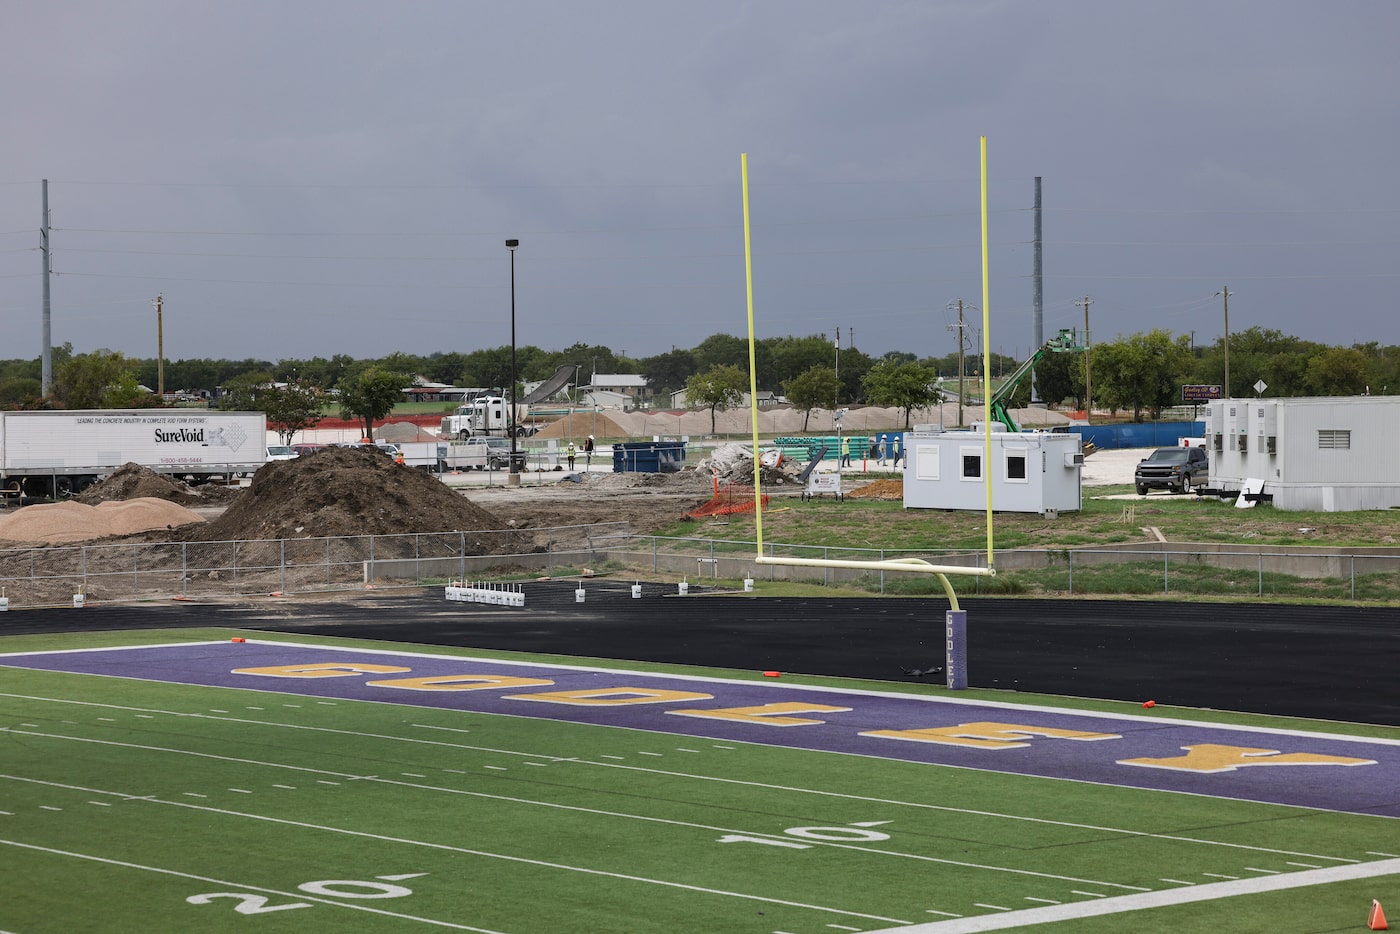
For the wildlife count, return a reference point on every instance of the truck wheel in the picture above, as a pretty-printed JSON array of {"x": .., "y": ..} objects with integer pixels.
[
  {"x": 1186, "y": 484},
  {"x": 1142, "y": 490},
  {"x": 463, "y": 435}
]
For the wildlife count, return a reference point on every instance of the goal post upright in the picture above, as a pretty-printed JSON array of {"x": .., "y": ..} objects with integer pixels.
[{"x": 956, "y": 617}]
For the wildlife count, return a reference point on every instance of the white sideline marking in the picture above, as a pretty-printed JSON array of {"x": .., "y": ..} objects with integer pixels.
[
  {"x": 775, "y": 685},
  {"x": 243, "y": 886},
  {"x": 1166, "y": 898}
]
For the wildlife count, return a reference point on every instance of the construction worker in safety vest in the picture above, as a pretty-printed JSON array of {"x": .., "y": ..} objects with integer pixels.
[{"x": 571, "y": 452}]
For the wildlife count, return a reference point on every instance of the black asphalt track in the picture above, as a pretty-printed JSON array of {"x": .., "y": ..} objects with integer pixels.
[{"x": 1337, "y": 663}]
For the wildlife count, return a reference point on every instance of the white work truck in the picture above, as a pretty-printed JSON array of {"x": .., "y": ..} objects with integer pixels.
[
  {"x": 57, "y": 453},
  {"x": 479, "y": 454}
]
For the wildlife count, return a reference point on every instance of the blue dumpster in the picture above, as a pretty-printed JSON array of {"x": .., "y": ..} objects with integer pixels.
[{"x": 648, "y": 456}]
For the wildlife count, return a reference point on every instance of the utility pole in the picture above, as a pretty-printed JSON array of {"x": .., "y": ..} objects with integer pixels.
[
  {"x": 46, "y": 358},
  {"x": 959, "y": 304},
  {"x": 836, "y": 400},
  {"x": 1088, "y": 384},
  {"x": 160, "y": 348}
]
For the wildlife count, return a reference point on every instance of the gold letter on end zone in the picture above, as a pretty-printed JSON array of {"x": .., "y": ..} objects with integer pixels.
[
  {"x": 765, "y": 714},
  {"x": 1210, "y": 757},
  {"x": 986, "y": 735}
]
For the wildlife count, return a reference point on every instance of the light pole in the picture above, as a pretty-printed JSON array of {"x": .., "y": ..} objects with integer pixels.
[
  {"x": 513, "y": 478},
  {"x": 1225, "y": 294}
]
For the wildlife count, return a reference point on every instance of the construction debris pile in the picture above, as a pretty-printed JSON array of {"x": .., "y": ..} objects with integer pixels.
[{"x": 733, "y": 463}]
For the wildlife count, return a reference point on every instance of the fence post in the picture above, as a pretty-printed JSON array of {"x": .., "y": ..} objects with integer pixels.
[
  {"x": 184, "y": 567},
  {"x": 1353, "y": 577},
  {"x": 1261, "y": 573},
  {"x": 1166, "y": 572},
  {"x": 282, "y": 560},
  {"x": 1071, "y": 571},
  {"x": 84, "y": 566},
  {"x": 826, "y": 572}
]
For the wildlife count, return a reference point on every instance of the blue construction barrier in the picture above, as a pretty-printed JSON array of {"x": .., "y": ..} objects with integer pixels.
[
  {"x": 1139, "y": 434},
  {"x": 648, "y": 456}
]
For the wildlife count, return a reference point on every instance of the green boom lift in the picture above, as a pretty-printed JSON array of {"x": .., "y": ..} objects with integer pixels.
[{"x": 1064, "y": 342}]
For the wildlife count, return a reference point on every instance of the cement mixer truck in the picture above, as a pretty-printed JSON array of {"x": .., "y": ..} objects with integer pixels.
[{"x": 487, "y": 416}]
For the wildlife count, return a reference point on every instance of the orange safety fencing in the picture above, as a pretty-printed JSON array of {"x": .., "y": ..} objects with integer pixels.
[{"x": 731, "y": 499}]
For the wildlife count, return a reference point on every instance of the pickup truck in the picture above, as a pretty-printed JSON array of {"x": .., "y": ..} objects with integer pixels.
[{"x": 1177, "y": 469}]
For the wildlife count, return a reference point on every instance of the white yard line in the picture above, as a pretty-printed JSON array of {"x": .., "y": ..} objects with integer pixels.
[
  {"x": 620, "y": 764},
  {"x": 243, "y": 886},
  {"x": 385, "y": 838}
]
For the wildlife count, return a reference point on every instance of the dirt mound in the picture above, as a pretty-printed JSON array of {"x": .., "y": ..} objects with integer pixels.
[
  {"x": 580, "y": 425},
  {"x": 58, "y": 523},
  {"x": 403, "y": 432},
  {"x": 132, "y": 481},
  {"x": 879, "y": 489},
  {"x": 345, "y": 491}
]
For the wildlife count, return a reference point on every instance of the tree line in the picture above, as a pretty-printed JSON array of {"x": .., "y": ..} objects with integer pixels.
[{"x": 1138, "y": 375}]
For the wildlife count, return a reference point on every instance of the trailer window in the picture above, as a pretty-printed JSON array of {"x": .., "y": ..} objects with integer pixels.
[
  {"x": 971, "y": 464},
  {"x": 1016, "y": 465}
]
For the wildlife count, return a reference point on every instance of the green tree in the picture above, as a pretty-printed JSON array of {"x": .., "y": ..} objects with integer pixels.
[
  {"x": 245, "y": 392},
  {"x": 814, "y": 389},
  {"x": 19, "y": 392},
  {"x": 1144, "y": 371},
  {"x": 719, "y": 387},
  {"x": 907, "y": 386},
  {"x": 1338, "y": 371},
  {"x": 93, "y": 380},
  {"x": 668, "y": 371},
  {"x": 371, "y": 395},
  {"x": 1060, "y": 376},
  {"x": 292, "y": 408}
]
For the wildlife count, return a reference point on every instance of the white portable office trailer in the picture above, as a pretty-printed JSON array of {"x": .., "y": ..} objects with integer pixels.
[
  {"x": 1327, "y": 454},
  {"x": 1031, "y": 471}
]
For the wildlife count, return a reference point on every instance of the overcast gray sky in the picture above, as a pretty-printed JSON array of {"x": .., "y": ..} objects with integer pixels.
[{"x": 311, "y": 178}]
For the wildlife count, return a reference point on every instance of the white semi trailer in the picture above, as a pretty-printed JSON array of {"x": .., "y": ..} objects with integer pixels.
[
  {"x": 486, "y": 416},
  {"x": 58, "y": 453}
]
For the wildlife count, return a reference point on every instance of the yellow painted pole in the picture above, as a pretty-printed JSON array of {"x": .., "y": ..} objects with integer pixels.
[
  {"x": 753, "y": 368},
  {"x": 986, "y": 357}
]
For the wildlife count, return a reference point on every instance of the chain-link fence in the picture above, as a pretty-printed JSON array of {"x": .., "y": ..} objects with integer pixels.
[
  {"x": 65, "y": 575},
  {"x": 133, "y": 572}
]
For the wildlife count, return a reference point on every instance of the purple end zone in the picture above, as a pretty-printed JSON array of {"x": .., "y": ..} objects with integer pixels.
[{"x": 1331, "y": 772}]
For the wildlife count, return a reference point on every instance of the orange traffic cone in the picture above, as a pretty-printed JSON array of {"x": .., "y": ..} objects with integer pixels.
[{"x": 1376, "y": 921}]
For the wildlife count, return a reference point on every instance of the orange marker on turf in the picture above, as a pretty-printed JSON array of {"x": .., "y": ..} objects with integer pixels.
[{"x": 772, "y": 674}]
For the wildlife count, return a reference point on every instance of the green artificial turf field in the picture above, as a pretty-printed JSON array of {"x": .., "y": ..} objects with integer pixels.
[{"x": 138, "y": 805}]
